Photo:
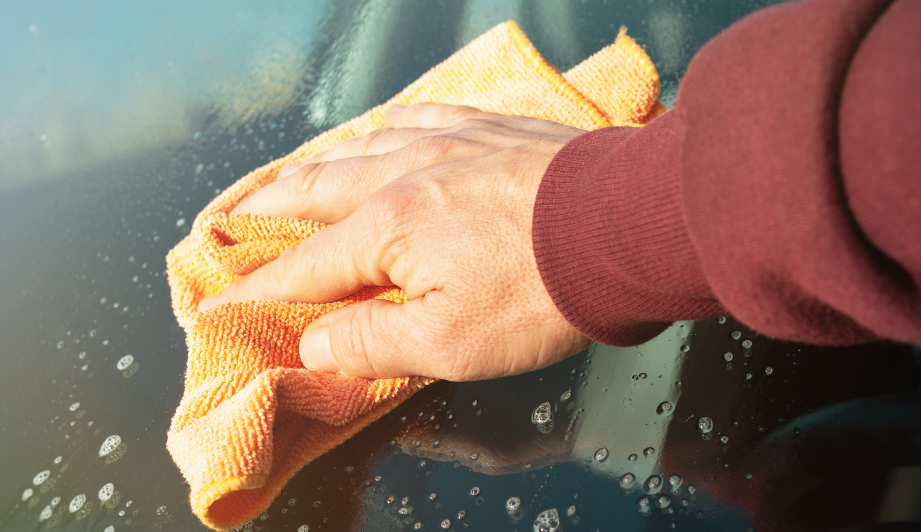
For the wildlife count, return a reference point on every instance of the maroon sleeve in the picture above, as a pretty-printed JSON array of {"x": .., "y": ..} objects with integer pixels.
[{"x": 784, "y": 188}]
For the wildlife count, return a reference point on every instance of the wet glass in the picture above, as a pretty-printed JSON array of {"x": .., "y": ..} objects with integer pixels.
[{"x": 119, "y": 121}]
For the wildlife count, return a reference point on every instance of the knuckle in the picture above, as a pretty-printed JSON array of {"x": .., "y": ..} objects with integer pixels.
[
  {"x": 299, "y": 187},
  {"x": 435, "y": 146}
]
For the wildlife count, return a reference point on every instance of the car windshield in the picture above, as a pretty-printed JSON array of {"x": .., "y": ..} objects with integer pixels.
[{"x": 120, "y": 121}]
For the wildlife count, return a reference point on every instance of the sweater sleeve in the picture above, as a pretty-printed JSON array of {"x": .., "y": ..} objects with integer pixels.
[{"x": 784, "y": 188}]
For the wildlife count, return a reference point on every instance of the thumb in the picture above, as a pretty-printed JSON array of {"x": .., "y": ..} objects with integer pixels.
[{"x": 375, "y": 339}]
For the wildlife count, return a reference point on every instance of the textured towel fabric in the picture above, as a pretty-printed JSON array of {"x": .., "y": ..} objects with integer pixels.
[{"x": 252, "y": 415}]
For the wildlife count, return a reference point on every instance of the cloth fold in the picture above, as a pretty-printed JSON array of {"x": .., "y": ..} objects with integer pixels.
[{"x": 252, "y": 415}]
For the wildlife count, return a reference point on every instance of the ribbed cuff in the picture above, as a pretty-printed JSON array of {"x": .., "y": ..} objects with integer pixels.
[{"x": 609, "y": 238}]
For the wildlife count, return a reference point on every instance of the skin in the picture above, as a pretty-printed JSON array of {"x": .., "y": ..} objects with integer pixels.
[{"x": 439, "y": 203}]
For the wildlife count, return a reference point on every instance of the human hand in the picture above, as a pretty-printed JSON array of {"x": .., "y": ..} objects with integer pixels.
[{"x": 440, "y": 204}]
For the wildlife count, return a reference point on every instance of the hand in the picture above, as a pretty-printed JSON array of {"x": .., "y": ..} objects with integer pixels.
[{"x": 440, "y": 204}]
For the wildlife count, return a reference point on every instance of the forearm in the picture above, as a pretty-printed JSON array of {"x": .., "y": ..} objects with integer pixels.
[{"x": 764, "y": 194}]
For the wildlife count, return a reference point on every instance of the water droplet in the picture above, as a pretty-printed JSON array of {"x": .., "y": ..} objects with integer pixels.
[
  {"x": 58, "y": 460},
  {"x": 748, "y": 376},
  {"x": 161, "y": 510},
  {"x": 41, "y": 477},
  {"x": 652, "y": 483},
  {"x": 405, "y": 510},
  {"x": 303, "y": 528},
  {"x": 105, "y": 492},
  {"x": 74, "y": 407},
  {"x": 627, "y": 479},
  {"x": 26, "y": 494},
  {"x": 685, "y": 348},
  {"x": 390, "y": 499},
  {"x": 473, "y": 456},
  {"x": 571, "y": 511},
  {"x": 736, "y": 335},
  {"x": 378, "y": 478},
  {"x": 461, "y": 514},
  {"x": 642, "y": 375},
  {"x": 475, "y": 402},
  {"x": 77, "y": 502},
  {"x": 55, "y": 501},
  {"x": 649, "y": 451},
  {"x": 349, "y": 469},
  {"x": 445, "y": 524},
  {"x": 417, "y": 525},
  {"x": 263, "y": 516},
  {"x": 748, "y": 475},
  {"x": 601, "y": 454},
  {"x": 124, "y": 362},
  {"x": 474, "y": 491},
  {"x": 674, "y": 481},
  {"x": 433, "y": 496},
  {"x": 691, "y": 489},
  {"x": 705, "y": 424},
  {"x": 724, "y": 439},
  {"x": 127, "y": 504},
  {"x": 121, "y": 513},
  {"x": 512, "y": 504},
  {"x": 316, "y": 504},
  {"x": 663, "y": 501},
  {"x": 60, "y": 344},
  {"x": 566, "y": 395},
  {"x": 110, "y": 444},
  {"x": 632, "y": 457},
  {"x": 543, "y": 417},
  {"x": 721, "y": 320},
  {"x": 46, "y": 513},
  {"x": 747, "y": 344},
  {"x": 643, "y": 504},
  {"x": 664, "y": 408},
  {"x": 82, "y": 355},
  {"x": 547, "y": 521},
  {"x": 768, "y": 370},
  {"x": 180, "y": 222},
  {"x": 727, "y": 357}
]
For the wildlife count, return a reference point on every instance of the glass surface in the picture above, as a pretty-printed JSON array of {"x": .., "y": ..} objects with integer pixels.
[{"x": 119, "y": 121}]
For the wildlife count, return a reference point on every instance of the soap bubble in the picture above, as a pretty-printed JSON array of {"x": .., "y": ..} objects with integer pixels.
[
  {"x": 627, "y": 479},
  {"x": 124, "y": 362},
  {"x": 110, "y": 444},
  {"x": 405, "y": 501},
  {"x": 512, "y": 504},
  {"x": 547, "y": 521},
  {"x": 390, "y": 499},
  {"x": 601, "y": 454},
  {"x": 632, "y": 457},
  {"x": 705, "y": 424},
  {"x": 121, "y": 513},
  {"x": 26, "y": 494},
  {"x": 74, "y": 407},
  {"x": 446, "y": 524},
  {"x": 724, "y": 439},
  {"x": 406, "y": 510},
  {"x": 566, "y": 395},
  {"x": 736, "y": 335},
  {"x": 571, "y": 511},
  {"x": 417, "y": 525},
  {"x": 727, "y": 356},
  {"x": 109, "y": 528},
  {"x": 161, "y": 510},
  {"x": 55, "y": 501},
  {"x": 58, "y": 460},
  {"x": 46, "y": 513},
  {"x": 747, "y": 344},
  {"x": 303, "y": 528},
  {"x": 105, "y": 492},
  {"x": 768, "y": 370},
  {"x": 461, "y": 514},
  {"x": 41, "y": 477},
  {"x": 474, "y": 491},
  {"x": 433, "y": 496},
  {"x": 77, "y": 502}
]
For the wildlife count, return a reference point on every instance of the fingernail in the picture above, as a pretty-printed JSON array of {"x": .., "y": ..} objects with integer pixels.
[
  {"x": 290, "y": 169},
  {"x": 316, "y": 354},
  {"x": 207, "y": 303}
]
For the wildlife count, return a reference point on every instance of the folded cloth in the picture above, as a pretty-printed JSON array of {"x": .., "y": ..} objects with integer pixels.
[{"x": 252, "y": 415}]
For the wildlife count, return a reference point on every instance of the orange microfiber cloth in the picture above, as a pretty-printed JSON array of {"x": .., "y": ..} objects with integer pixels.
[{"x": 252, "y": 415}]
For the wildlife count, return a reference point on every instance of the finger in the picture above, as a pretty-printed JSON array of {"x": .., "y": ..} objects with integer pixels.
[
  {"x": 331, "y": 191},
  {"x": 375, "y": 143},
  {"x": 323, "y": 268},
  {"x": 432, "y": 115},
  {"x": 379, "y": 339}
]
